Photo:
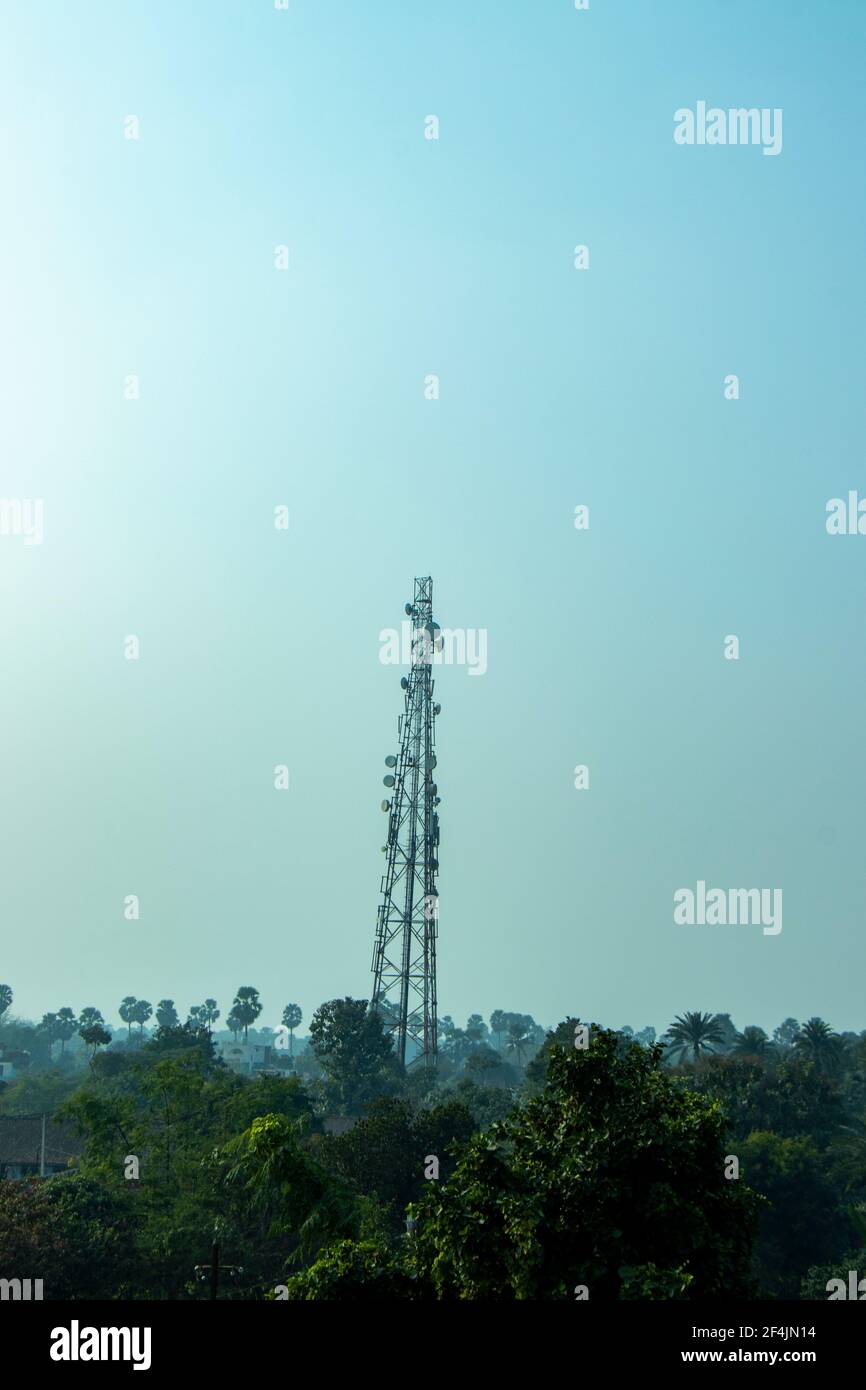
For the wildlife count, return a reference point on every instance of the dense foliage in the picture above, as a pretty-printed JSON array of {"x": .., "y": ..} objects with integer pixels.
[{"x": 528, "y": 1167}]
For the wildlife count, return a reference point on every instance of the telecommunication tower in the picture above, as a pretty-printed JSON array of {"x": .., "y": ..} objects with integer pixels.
[{"x": 404, "y": 955}]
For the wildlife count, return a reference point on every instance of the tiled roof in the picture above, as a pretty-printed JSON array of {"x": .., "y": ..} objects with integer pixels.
[{"x": 21, "y": 1140}]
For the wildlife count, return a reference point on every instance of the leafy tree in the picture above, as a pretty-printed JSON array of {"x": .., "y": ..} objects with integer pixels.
[
  {"x": 246, "y": 1007},
  {"x": 185, "y": 1036},
  {"x": 36, "y": 1093},
  {"x": 166, "y": 1014},
  {"x": 171, "y": 1103},
  {"x": 485, "y": 1103},
  {"x": 646, "y": 1037},
  {"x": 613, "y": 1177},
  {"x": 5, "y": 998},
  {"x": 489, "y": 1067},
  {"x": 291, "y": 1019},
  {"x": 695, "y": 1032},
  {"x": 536, "y": 1068},
  {"x": 88, "y": 1017},
  {"x": 785, "y": 1033},
  {"x": 789, "y": 1099},
  {"x": 610, "y": 1175},
  {"x": 292, "y": 1194},
  {"x": 848, "y": 1160},
  {"x": 71, "y": 1232},
  {"x": 355, "y": 1052},
  {"x": 94, "y": 1035},
  {"x": 802, "y": 1223},
  {"x": 354, "y": 1270},
  {"x": 384, "y": 1154},
  {"x": 127, "y": 1013},
  {"x": 817, "y": 1041},
  {"x": 815, "y": 1282},
  {"x": 728, "y": 1030}
]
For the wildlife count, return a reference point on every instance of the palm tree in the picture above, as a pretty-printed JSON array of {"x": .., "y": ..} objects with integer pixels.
[
  {"x": 817, "y": 1041},
  {"x": 127, "y": 1013},
  {"x": 48, "y": 1028},
  {"x": 695, "y": 1032},
  {"x": 67, "y": 1024},
  {"x": 210, "y": 1013},
  {"x": 475, "y": 1028},
  {"x": 752, "y": 1042},
  {"x": 518, "y": 1036},
  {"x": 142, "y": 1011},
  {"x": 291, "y": 1018},
  {"x": 497, "y": 1026},
  {"x": 5, "y": 998},
  {"x": 247, "y": 1007},
  {"x": 234, "y": 1023}
]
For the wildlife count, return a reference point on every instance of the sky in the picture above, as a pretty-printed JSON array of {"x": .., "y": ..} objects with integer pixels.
[{"x": 155, "y": 258}]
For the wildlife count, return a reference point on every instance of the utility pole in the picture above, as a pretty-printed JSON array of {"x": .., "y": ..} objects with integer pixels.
[
  {"x": 211, "y": 1273},
  {"x": 404, "y": 953}
]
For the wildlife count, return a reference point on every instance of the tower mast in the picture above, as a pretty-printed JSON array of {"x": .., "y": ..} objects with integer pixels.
[{"x": 404, "y": 953}]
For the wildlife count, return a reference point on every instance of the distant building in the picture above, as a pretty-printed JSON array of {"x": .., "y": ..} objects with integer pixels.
[
  {"x": 12, "y": 1062},
  {"x": 21, "y": 1146},
  {"x": 246, "y": 1058}
]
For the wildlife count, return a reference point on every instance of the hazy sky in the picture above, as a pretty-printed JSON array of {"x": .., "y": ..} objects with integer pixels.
[{"x": 258, "y": 387}]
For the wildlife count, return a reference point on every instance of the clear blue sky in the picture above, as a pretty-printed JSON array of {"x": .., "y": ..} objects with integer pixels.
[{"x": 558, "y": 387}]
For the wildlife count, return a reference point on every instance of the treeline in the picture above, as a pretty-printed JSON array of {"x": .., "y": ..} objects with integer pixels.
[
  {"x": 91, "y": 1028},
  {"x": 711, "y": 1163}
]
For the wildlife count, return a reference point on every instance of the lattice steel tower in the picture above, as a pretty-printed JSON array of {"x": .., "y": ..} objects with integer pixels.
[{"x": 404, "y": 955}]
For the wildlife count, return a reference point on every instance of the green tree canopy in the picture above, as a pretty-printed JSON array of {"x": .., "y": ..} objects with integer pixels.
[
  {"x": 166, "y": 1014},
  {"x": 613, "y": 1178},
  {"x": 355, "y": 1052}
]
